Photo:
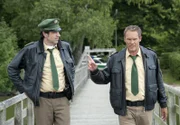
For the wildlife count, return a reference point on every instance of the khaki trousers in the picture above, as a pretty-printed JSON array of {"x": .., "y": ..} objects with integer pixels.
[
  {"x": 136, "y": 116},
  {"x": 52, "y": 111}
]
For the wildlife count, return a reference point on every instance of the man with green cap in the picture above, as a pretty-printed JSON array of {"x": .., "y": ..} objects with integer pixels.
[{"x": 49, "y": 75}]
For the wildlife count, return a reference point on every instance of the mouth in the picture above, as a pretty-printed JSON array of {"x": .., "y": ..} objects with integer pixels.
[{"x": 131, "y": 46}]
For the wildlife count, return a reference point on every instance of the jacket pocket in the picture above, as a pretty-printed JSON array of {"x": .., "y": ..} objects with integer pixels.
[
  {"x": 152, "y": 67},
  {"x": 152, "y": 94},
  {"x": 70, "y": 62},
  {"x": 115, "y": 98},
  {"x": 152, "y": 74},
  {"x": 115, "y": 70},
  {"x": 32, "y": 69},
  {"x": 116, "y": 78}
]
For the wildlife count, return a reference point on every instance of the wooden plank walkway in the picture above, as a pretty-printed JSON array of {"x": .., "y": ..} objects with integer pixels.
[{"x": 91, "y": 106}]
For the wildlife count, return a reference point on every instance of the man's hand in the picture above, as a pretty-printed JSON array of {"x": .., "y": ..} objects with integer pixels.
[
  {"x": 91, "y": 64},
  {"x": 164, "y": 113}
]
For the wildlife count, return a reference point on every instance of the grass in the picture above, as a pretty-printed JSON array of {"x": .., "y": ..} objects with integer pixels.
[{"x": 169, "y": 79}]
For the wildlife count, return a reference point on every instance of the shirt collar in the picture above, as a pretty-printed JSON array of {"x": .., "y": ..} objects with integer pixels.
[
  {"x": 128, "y": 54},
  {"x": 46, "y": 47}
]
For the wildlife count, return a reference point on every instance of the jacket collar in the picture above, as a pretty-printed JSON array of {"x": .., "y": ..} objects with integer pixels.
[
  {"x": 40, "y": 47},
  {"x": 60, "y": 47},
  {"x": 144, "y": 51},
  {"x": 122, "y": 53}
]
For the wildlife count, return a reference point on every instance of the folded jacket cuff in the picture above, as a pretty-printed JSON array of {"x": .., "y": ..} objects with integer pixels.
[{"x": 94, "y": 72}]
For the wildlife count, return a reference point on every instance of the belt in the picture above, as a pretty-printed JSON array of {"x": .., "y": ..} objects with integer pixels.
[
  {"x": 52, "y": 94},
  {"x": 136, "y": 103}
]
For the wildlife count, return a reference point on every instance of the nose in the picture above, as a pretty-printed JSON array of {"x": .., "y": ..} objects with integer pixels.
[
  {"x": 131, "y": 41},
  {"x": 58, "y": 34}
]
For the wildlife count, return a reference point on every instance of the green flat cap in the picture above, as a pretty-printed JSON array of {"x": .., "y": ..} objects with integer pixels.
[{"x": 50, "y": 25}]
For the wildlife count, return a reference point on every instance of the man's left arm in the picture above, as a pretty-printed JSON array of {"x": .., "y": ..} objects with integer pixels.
[
  {"x": 162, "y": 98},
  {"x": 70, "y": 53}
]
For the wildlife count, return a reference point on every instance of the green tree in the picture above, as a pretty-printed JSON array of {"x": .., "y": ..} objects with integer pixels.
[
  {"x": 7, "y": 51},
  {"x": 88, "y": 19},
  {"x": 158, "y": 20}
]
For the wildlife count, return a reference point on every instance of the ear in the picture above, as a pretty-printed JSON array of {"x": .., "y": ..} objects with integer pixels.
[
  {"x": 140, "y": 38},
  {"x": 45, "y": 34},
  {"x": 124, "y": 39}
]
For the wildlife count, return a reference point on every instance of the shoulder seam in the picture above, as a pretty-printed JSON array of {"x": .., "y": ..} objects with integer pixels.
[{"x": 29, "y": 43}]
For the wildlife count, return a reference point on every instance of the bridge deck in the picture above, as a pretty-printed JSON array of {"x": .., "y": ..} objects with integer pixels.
[{"x": 91, "y": 106}]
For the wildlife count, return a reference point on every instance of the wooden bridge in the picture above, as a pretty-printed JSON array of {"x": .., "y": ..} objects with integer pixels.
[{"x": 85, "y": 109}]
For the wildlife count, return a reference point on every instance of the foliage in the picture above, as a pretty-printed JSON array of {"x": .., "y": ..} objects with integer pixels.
[
  {"x": 8, "y": 46},
  {"x": 169, "y": 78},
  {"x": 139, "y": 1},
  {"x": 90, "y": 22},
  {"x": 78, "y": 19},
  {"x": 174, "y": 64},
  {"x": 120, "y": 47},
  {"x": 157, "y": 19},
  {"x": 164, "y": 60},
  {"x": 98, "y": 32}
]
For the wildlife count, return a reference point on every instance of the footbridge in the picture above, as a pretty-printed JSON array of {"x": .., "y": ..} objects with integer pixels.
[{"x": 90, "y": 105}]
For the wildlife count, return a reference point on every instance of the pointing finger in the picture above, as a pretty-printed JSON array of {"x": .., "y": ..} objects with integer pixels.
[{"x": 90, "y": 59}]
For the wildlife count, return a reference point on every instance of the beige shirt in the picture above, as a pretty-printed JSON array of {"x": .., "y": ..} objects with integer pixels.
[
  {"x": 47, "y": 83},
  {"x": 141, "y": 77}
]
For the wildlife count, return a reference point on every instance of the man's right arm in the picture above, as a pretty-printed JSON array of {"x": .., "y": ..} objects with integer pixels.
[
  {"x": 14, "y": 70},
  {"x": 97, "y": 76}
]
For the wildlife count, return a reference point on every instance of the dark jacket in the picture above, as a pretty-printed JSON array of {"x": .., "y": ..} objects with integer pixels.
[
  {"x": 115, "y": 74},
  {"x": 32, "y": 58}
]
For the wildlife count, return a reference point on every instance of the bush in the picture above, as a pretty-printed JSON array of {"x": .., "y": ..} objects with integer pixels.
[
  {"x": 174, "y": 64},
  {"x": 7, "y": 51},
  {"x": 164, "y": 60}
]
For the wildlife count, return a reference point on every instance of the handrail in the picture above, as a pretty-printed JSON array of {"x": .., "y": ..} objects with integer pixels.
[
  {"x": 173, "y": 95},
  {"x": 20, "y": 111}
]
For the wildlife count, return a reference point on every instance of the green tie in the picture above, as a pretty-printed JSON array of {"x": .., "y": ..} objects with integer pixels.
[
  {"x": 54, "y": 71},
  {"x": 134, "y": 77}
]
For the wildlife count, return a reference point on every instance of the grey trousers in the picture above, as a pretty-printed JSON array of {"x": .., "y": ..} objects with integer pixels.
[
  {"x": 136, "y": 116},
  {"x": 52, "y": 112}
]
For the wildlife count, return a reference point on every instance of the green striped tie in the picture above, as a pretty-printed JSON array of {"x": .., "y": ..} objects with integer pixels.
[
  {"x": 134, "y": 77},
  {"x": 54, "y": 71}
]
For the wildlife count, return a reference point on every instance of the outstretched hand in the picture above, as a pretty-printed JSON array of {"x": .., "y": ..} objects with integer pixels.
[{"x": 91, "y": 64}]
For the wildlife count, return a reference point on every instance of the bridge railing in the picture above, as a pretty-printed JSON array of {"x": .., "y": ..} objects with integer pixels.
[
  {"x": 173, "y": 95},
  {"x": 20, "y": 111}
]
